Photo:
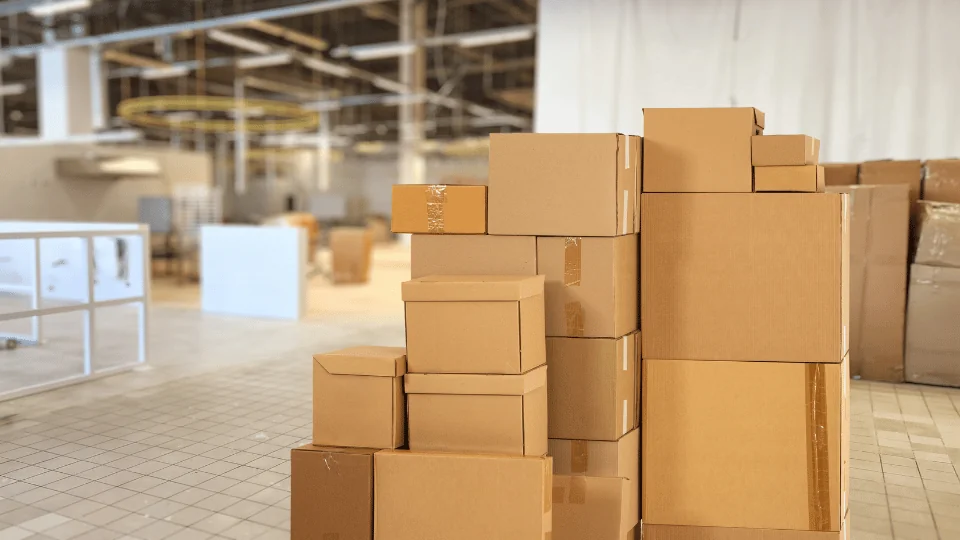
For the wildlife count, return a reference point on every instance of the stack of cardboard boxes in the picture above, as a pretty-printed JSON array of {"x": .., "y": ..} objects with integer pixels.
[{"x": 744, "y": 319}]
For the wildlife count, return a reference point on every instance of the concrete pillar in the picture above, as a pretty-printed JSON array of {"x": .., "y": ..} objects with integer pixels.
[
  {"x": 413, "y": 74},
  {"x": 65, "y": 89}
]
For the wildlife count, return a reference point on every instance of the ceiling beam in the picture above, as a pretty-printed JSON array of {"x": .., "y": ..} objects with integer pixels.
[{"x": 293, "y": 36}]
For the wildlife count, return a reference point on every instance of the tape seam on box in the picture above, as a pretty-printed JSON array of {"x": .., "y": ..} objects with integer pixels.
[
  {"x": 571, "y": 261},
  {"x": 818, "y": 466},
  {"x": 579, "y": 456},
  {"x": 625, "y": 347},
  {"x": 436, "y": 200},
  {"x": 574, "y": 316}
]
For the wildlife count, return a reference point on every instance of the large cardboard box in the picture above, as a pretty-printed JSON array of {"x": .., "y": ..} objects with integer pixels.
[
  {"x": 331, "y": 493},
  {"x": 440, "y": 496},
  {"x": 841, "y": 174},
  {"x": 433, "y": 254},
  {"x": 941, "y": 180},
  {"x": 699, "y": 150},
  {"x": 590, "y": 508},
  {"x": 474, "y": 324},
  {"x": 591, "y": 285},
  {"x": 546, "y": 184},
  {"x": 680, "y": 532},
  {"x": 776, "y": 150},
  {"x": 593, "y": 387},
  {"x": 933, "y": 341},
  {"x": 351, "y": 249},
  {"x": 601, "y": 459},
  {"x": 879, "y": 229},
  {"x": 939, "y": 240},
  {"x": 358, "y": 397},
  {"x": 498, "y": 414},
  {"x": 888, "y": 171},
  {"x": 439, "y": 209},
  {"x": 758, "y": 445},
  {"x": 799, "y": 178},
  {"x": 727, "y": 276}
]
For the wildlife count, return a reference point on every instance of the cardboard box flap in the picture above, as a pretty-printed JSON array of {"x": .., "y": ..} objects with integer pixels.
[
  {"x": 471, "y": 288},
  {"x": 589, "y": 507},
  {"x": 934, "y": 275},
  {"x": 335, "y": 450},
  {"x": 481, "y": 385},
  {"x": 365, "y": 360},
  {"x": 759, "y": 118}
]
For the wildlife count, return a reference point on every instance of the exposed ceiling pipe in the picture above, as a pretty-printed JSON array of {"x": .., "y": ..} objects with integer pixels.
[
  {"x": 293, "y": 36},
  {"x": 478, "y": 38}
]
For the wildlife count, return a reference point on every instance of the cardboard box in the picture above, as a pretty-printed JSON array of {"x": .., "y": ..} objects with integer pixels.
[
  {"x": 379, "y": 227},
  {"x": 496, "y": 414},
  {"x": 879, "y": 229},
  {"x": 729, "y": 276},
  {"x": 591, "y": 285},
  {"x": 679, "y": 532},
  {"x": 439, "y": 209},
  {"x": 602, "y": 459},
  {"x": 435, "y": 496},
  {"x": 592, "y": 387},
  {"x": 546, "y": 184},
  {"x": 759, "y": 445},
  {"x": 432, "y": 254},
  {"x": 589, "y": 508},
  {"x": 699, "y": 150},
  {"x": 775, "y": 150},
  {"x": 358, "y": 397},
  {"x": 933, "y": 342},
  {"x": 474, "y": 324},
  {"x": 888, "y": 171},
  {"x": 351, "y": 249},
  {"x": 841, "y": 174},
  {"x": 331, "y": 493},
  {"x": 941, "y": 180},
  {"x": 798, "y": 178},
  {"x": 939, "y": 240}
]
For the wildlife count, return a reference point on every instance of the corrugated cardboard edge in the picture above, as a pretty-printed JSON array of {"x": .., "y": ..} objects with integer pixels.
[
  {"x": 474, "y": 288},
  {"x": 434, "y": 383},
  {"x": 818, "y": 450}
]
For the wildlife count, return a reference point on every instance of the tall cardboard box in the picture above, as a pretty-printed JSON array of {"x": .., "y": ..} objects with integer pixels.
[
  {"x": 755, "y": 445},
  {"x": 474, "y": 324},
  {"x": 879, "y": 230},
  {"x": 841, "y": 174},
  {"x": 939, "y": 239},
  {"x": 439, "y": 209},
  {"x": 501, "y": 414},
  {"x": 593, "y": 388},
  {"x": 941, "y": 180},
  {"x": 729, "y": 276},
  {"x": 699, "y": 150},
  {"x": 351, "y": 250},
  {"x": 545, "y": 184},
  {"x": 434, "y": 254},
  {"x": 440, "y": 496},
  {"x": 933, "y": 340},
  {"x": 591, "y": 285},
  {"x": 886, "y": 172},
  {"x": 331, "y": 493},
  {"x": 590, "y": 508}
]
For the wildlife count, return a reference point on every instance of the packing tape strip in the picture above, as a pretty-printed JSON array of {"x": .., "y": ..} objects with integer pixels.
[
  {"x": 579, "y": 456},
  {"x": 818, "y": 467},
  {"x": 571, "y": 261},
  {"x": 574, "y": 315},
  {"x": 436, "y": 199}
]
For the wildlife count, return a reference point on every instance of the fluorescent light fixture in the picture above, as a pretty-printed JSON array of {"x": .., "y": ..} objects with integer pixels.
[
  {"x": 164, "y": 72},
  {"x": 390, "y": 86},
  {"x": 267, "y": 60},
  {"x": 381, "y": 50},
  {"x": 12, "y": 89},
  {"x": 327, "y": 67},
  {"x": 495, "y": 38},
  {"x": 240, "y": 42},
  {"x": 52, "y": 8}
]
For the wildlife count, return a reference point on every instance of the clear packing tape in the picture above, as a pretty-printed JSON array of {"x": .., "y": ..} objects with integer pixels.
[
  {"x": 436, "y": 200},
  {"x": 818, "y": 454},
  {"x": 573, "y": 311},
  {"x": 939, "y": 241}
]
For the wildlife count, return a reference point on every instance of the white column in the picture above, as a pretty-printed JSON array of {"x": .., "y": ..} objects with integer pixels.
[{"x": 64, "y": 90}]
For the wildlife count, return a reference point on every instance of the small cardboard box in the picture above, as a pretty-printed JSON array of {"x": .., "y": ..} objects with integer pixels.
[
  {"x": 680, "y": 532},
  {"x": 474, "y": 324},
  {"x": 776, "y": 150},
  {"x": 798, "y": 178},
  {"x": 730, "y": 276},
  {"x": 602, "y": 459},
  {"x": 941, "y": 180},
  {"x": 939, "y": 243},
  {"x": 885, "y": 172},
  {"x": 591, "y": 285},
  {"x": 759, "y": 445},
  {"x": 432, "y": 254},
  {"x": 546, "y": 184},
  {"x": 331, "y": 493},
  {"x": 933, "y": 342},
  {"x": 496, "y": 414},
  {"x": 699, "y": 150},
  {"x": 841, "y": 174},
  {"x": 593, "y": 387},
  {"x": 358, "y": 397},
  {"x": 436, "y": 496},
  {"x": 590, "y": 508},
  {"x": 439, "y": 209},
  {"x": 351, "y": 249}
]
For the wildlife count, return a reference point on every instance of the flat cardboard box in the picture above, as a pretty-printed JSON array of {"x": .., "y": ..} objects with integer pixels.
[
  {"x": 589, "y": 508},
  {"x": 879, "y": 230},
  {"x": 941, "y": 180},
  {"x": 680, "y": 532},
  {"x": 474, "y": 324},
  {"x": 776, "y": 150},
  {"x": 440, "y": 496},
  {"x": 888, "y": 171},
  {"x": 939, "y": 240},
  {"x": 592, "y": 387},
  {"x": 841, "y": 174},
  {"x": 618, "y": 459},
  {"x": 331, "y": 493},
  {"x": 546, "y": 184},
  {"x": 699, "y": 150},
  {"x": 351, "y": 249},
  {"x": 432, "y": 254},
  {"x": 933, "y": 342},
  {"x": 439, "y": 209},
  {"x": 358, "y": 397},
  {"x": 789, "y": 178},
  {"x": 591, "y": 285},
  {"x": 731, "y": 276},
  {"x": 759, "y": 445},
  {"x": 491, "y": 414}
]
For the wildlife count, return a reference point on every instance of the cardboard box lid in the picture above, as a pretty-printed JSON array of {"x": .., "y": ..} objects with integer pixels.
[
  {"x": 480, "y": 385},
  {"x": 335, "y": 450},
  {"x": 758, "y": 116},
  {"x": 587, "y": 507},
  {"x": 365, "y": 360},
  {"x": 471, "y": 288}
]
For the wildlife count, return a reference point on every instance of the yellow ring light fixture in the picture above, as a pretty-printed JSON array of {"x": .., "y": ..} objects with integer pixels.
[{"x": 262, "y": 115}]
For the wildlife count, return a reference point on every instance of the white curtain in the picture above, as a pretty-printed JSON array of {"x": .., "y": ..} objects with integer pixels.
[{"x": 872, "y": 79}]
